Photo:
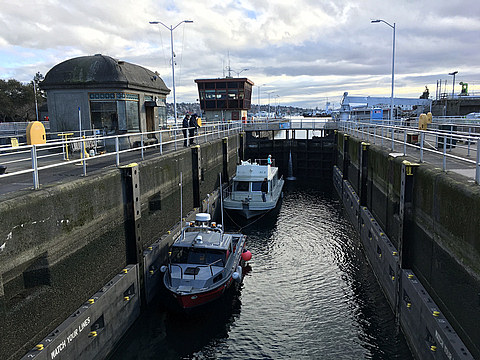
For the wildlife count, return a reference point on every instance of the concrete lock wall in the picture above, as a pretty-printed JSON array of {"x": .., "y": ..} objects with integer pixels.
[
  {"x": 431, "y": 220},
  {"x": 64, "y": 242}
]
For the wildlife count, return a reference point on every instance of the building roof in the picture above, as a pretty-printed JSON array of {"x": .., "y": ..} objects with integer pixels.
[
  {"x": 101, "y": 71},
  {"x": 227, "y": 79}
]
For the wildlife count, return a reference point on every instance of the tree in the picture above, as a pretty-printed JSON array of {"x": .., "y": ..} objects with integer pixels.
[{"x": 17, "y": 100}]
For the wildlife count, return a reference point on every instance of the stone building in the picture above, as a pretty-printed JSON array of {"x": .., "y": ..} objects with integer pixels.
[{"x": 109, "y": 96}]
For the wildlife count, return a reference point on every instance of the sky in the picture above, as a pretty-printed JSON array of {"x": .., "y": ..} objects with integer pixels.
[{"x": 297, "y": 52}]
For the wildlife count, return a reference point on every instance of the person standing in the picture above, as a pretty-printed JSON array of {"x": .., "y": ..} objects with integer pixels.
[
  {"x": 185, "y": 124},
  {"x": 264, "y": 189},
  {"x": 192, "y": 127}
]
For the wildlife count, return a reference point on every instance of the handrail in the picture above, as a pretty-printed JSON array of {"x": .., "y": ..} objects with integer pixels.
[
  {"x": 64, "y": 152},
  {"x": 440, "y": 142}
]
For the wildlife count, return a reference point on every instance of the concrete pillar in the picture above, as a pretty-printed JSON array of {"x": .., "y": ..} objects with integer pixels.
[
  {"x": 225, "y": 176},
  {"x": 405, "y": 222},
  {"x": 133, "y": 214},
  {"x": 346, "y": 157},
  {"x": 363, "y": 173},
  {"x": 196, "y": 175},
  {"x": 241, "y": 149},
  {"x": 405, "y": 209}
]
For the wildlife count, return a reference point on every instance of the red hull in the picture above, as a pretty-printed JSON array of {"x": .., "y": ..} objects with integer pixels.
[{"x": 189, "y": 301}]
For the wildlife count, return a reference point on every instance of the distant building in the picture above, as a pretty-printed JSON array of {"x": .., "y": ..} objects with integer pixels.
[
  {"x": 113, "y": 96},
  {"x": 225, "y": 99}
]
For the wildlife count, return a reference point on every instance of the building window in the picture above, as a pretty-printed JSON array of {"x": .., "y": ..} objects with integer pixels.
[
  {"x": 115, "y": 112},
  {"x": 104, "y": 116}
]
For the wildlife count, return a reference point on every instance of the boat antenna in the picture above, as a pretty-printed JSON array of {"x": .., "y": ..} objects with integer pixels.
[{"x": 221, "y": 196}]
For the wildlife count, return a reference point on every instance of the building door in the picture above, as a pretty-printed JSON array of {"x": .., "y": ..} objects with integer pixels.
[{"x": 149, "y": 113}]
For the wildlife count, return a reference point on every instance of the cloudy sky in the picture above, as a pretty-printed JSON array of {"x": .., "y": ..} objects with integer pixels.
[{"x": 297, "y": 52}]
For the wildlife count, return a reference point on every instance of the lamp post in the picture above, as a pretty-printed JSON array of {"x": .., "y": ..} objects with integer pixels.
[
  {"x": 171, "y": 28},
  {"x": 276, "y": 105},
  {"x": 259, "y": 106},
  {"x": 239, "y": 72},
  {"x": 393, "y": 64},
  {"x": 268, "y": 113},
  {"x": 453, "y": 88}
]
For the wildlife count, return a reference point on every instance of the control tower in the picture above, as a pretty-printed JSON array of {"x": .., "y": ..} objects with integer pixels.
[{"x": 225, "y": 99}]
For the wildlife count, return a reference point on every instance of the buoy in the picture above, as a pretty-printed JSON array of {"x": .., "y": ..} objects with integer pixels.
[
  {"x": 237, "y": 275},
  {"x": 246, "y": 255}
]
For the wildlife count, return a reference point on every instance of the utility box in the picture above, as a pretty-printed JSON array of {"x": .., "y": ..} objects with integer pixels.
[
  {"x": 376, "y": 115},
  {"x": 36, "y": 133},
  {"x": 450, "y": 141},
  {"x": 412, "y": 138}
]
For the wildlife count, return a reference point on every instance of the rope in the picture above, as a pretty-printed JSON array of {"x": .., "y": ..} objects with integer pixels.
[{"x": 240, "y": 228}]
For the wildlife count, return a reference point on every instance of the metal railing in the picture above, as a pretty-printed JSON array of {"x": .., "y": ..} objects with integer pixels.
[
  {"x": 72, "y": 149},
  {"x": 456, "y": 142}
]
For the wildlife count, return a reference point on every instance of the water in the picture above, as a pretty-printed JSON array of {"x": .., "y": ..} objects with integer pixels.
[{"x": 309, "y": 295}]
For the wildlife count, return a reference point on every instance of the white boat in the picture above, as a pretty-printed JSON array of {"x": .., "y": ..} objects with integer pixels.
[{"x": 245, "y": 195}]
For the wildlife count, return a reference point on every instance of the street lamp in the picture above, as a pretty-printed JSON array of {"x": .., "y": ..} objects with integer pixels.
[
  {"x": 259, "y": 105},
  {"x": 268, "y": 113},
  {"x": 171, "y": 28},
  {"x": 453, "y": 88},
  {"x": 239, "y": 72},
  {"x": 393, "y": 64},
  {"x": 276, "y": 108}
]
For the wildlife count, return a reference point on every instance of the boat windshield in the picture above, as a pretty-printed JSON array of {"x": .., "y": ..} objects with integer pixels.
[{"x": 200, "y": 256}]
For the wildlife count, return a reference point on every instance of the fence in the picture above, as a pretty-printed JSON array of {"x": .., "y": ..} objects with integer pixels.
[
  {"x": 73, "y": 149},
  {"x": 455, "y": 141}
]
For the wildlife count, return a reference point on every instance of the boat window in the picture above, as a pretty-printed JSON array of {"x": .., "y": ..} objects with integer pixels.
[
  {"x": 184, "y": 255},
  {"x": 241, "y": 185},
  {"x": 257, "y": 186},
  {"x": 217, "y": 256},
  {"x": 192, "y": 271}
]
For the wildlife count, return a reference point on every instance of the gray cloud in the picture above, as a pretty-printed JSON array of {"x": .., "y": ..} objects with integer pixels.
[{"x": 305, "y": 51}]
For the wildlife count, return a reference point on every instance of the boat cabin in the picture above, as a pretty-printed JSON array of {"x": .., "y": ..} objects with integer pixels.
[{"x": 249, "y": 178}]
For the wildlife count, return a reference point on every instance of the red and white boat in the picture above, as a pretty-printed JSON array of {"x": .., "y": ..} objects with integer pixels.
[{"x": 204, "y": 262}]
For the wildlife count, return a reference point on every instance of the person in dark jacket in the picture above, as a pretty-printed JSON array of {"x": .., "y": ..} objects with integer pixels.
[
  {"x": 264, "y": 189},
  {"x": 192, "y": 127},
  {"x": 186, "y": 121}
]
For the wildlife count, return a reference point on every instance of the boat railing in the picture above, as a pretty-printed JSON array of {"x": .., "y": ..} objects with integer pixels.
[
  {"x": 247, "y": 196},
  {"x": 264, "y": 162},
  {"x": 196, "y": 267},
  {"x": 170, "y": 271}
]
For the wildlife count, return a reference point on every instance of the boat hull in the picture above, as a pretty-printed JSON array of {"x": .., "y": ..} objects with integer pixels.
[{"x": 190, "y": 301}]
